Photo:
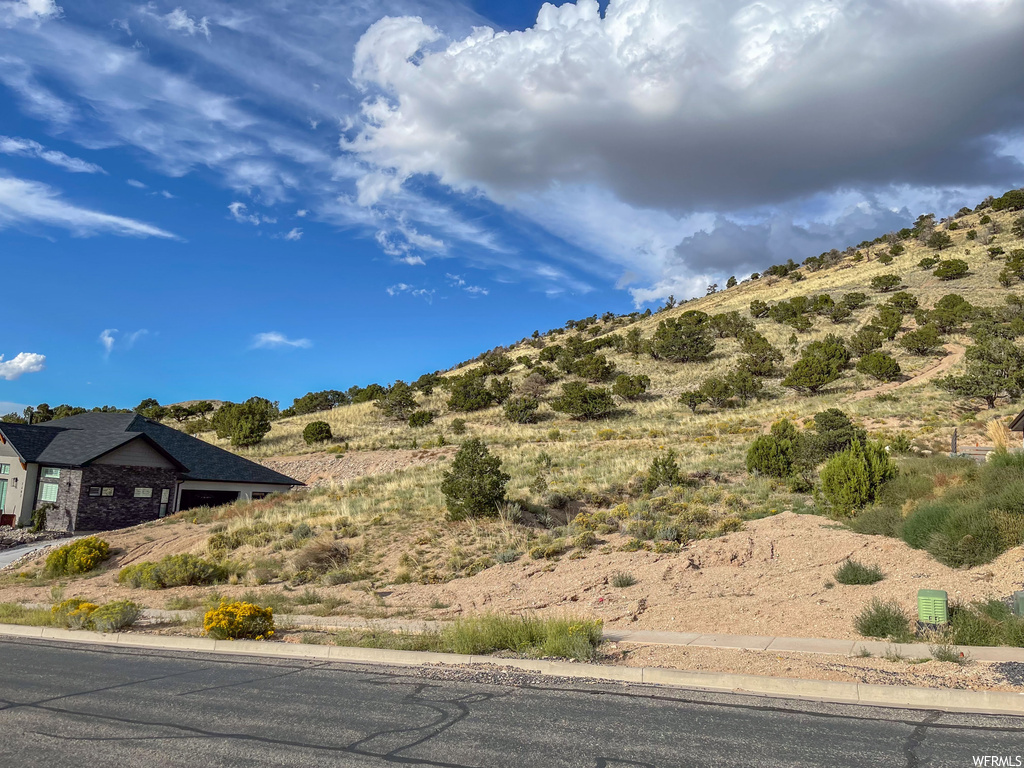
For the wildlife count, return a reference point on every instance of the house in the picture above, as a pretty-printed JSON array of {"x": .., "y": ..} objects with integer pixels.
[
  {"x": 1017, "y": 425},
  {"x": 109, "y": 470}
]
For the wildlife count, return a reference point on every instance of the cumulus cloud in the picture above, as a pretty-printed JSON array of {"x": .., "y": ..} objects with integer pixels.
[
  {"x": 675, "y": 109},
  {"x": 12, "y": 145},
  {"x": 293, "y": 234},
  {"x": 14, "y": 11},
  {"x": 240, "y": 213},
  {"x": 107, "y": 339},
  {"x": 275, "y": 340},
  {"x": 25, "y": 202},
  {"x": 20, "y": 364}
]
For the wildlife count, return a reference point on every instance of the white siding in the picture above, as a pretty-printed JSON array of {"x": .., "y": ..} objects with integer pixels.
[{"x": 137, "y": 453}]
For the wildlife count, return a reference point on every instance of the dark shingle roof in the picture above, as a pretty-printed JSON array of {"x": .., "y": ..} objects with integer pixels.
[
  {"x": 1017, "y": 425},
  {"x": 28, "y": 441},
  {"x": 100, "y": 433}
]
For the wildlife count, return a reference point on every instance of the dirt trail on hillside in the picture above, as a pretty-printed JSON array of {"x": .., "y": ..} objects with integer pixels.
[
  {"x": 954, "y": 354},
  {"x": 319, "y": 469}
]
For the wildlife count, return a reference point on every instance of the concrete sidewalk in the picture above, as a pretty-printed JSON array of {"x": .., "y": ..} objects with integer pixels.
[{"x": 765, "y": 643}]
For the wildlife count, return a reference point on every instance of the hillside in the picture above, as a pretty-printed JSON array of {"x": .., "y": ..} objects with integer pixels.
[{"x": 712, "y": 551}]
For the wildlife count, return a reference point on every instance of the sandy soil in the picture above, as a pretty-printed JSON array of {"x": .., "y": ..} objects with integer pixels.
[
  {"x": 317, "y": 469},
  {"x": 874, "y": 671}
]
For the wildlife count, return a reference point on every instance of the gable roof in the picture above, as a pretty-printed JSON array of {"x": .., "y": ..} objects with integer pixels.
[
  {"x": 1017, "y": 425},
  {"x": 77, "y": 440}
]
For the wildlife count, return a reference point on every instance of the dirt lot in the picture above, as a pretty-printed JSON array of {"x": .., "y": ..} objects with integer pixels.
[{"x": 318, "y": 469}]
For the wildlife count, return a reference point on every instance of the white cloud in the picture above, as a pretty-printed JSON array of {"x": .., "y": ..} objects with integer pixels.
[
  {"x": 669, "y": 114},
  {"x": 240, "y": 213},
  {"x": 136, "y": 183},
  {"x": 302, "y": 213},
  {"x": 12, "y": 145},
  {"x": 30, "y": 202},
  {"x": 36, "y": 99},
  {"x": 457, "y": 281},
  {"x": 13, "y": 11},
  {"x": 423, "y": 293},
  {"x": 293, "y": 234},
  {"x": 275, "y": 340},
  {"x": 178, "y": 20},
  {"x": 20, "y": 364},
  {"x": 107, "y": 339}
]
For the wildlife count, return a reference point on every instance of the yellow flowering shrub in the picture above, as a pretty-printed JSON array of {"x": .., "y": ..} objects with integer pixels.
[
  {"x": 77, "y": 557},
  {"x": 75, "y": 613},
  {"x": 234, "y": 621}
]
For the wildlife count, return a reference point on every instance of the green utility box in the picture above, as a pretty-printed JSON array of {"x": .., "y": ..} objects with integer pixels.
[
  {"x": 932, "y": 607},
  {"x": 1018, "y": 604}
]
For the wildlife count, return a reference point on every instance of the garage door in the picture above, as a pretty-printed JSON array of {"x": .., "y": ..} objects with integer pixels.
[{"x": 193, "y": 499}]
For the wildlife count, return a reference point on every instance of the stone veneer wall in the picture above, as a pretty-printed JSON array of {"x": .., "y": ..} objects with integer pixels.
[
  {"x": 62, "y": 516},
  {"x": 104, "y": 513}
]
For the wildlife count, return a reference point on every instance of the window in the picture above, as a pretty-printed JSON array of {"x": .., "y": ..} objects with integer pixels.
[
  {"x": 5, "y": 469},
  {"x": 143, "y": 493},
  {"x": 108, "y": 491},
  {"x": 48, "y": 492},
  {"x": 95, "y": 490},
  {"x": 165, "y": 495},
  {"x": 51, "y": 473}
]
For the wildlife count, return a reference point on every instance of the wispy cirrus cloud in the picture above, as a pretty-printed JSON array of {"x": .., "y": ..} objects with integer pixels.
[
  {"x": 20, "y": 364},
  {"x": 178, "y": 20},
  {"x": 275, "y": 340},
  {"x": 109, "y": 339},
  {"x": 13, "y": 145},
  {"x": 24, "y": 202}
]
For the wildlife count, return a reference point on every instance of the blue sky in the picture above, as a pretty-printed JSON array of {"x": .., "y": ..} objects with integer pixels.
[{"x": 208, "y": 199}]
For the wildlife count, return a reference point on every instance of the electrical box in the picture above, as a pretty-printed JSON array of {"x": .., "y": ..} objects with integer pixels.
[
  {"x": 932, "y": 607},
  {"x": 1018, "y": 604}
]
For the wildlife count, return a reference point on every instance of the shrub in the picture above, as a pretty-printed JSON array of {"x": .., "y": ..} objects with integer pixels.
[
  {"x": 475, "y": 484},
  {"x": 621, "y": 580},
  {"x": 685, "y": 339},
  {"x": 885, "y": 620},
  {"x": 927, "y": 262},
  {"x": 919, "y": 527},
  {"x": 522, "y": 410},
  {"x": 923, "y": 341},
  {"x": 851, "y": 479},
  {"x": 115, "y": 616},
  {"x": 561, "y": 637},
  {"x": 583, "y": 402},
  {"x": 968, "y": 536},
  {"x": 951, "y": 269},
  {"x": 886, "y": 283},
  {"x": 316, "y": 432},
  {"x": 970, "y": 626},
  {"x": 663, "y": 471},
  {"x": 866, "y": 340},
  {"x": 852, "y": 572},
  {"x": 73, "y": 613},
  {"x": 821, "y": 363},
  {"x": 234, "y": 621},
  {"x": 458, "y": 426},
  {"x": 939, "y": 240},
  {"x": 420, "y": 418},
  {"x": 775, "y": 453},
  {"x": 880, "y": 366},
  {"x": 468, "y": 393},
  {"x": 878, "y": 521},
  {"x": 593, "y": 368},
  {"x": 904, "y": 302},
  {"x": 631, "y": 387},
  {"x": 77, "y": 557},
  {"x": 182, "y": 570},
  {"x": 760, "y": 358},
  {"x": 39, "y": 516}
]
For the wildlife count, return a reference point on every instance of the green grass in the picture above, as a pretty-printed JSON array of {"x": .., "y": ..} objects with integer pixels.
[
  {"x": 13, "y": 613},
  {"x": 533, "y": 637},
  {"x": 622, "y": 580},
  {"x": 885, "y": 620},
  {"x": 852, "y": 572}
]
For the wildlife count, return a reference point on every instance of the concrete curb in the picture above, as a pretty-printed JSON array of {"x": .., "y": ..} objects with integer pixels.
[{"x": 986, "y": 702}]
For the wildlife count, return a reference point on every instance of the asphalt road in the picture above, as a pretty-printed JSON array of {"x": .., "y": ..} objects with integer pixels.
[{"x": 64, "y": 705}]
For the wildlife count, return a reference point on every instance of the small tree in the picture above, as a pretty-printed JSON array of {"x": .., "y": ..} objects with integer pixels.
[
  {"x": 939, "y": 240},
  {"x": 951, "y": 269},
  {"x": 923, "y": 341},
  {"x": 631, "y": 387},
  {"x": 398, "y": 402},
  {"x": 716, "y": 391},
  {"x": 880, "y": 366},
  {"x": 685, "y": 339},
  {"x": 951, "y": 312},
  {"x": 903, "y": 302},
  {"x": 745, "y": 385},
  {"x": 521, "y": 410},
  {"x": 468, "y": 393},
  {"x": 420, "y": 418},
  {"x": 663, "y": 471},
  {"x": 760, "y": 358},
  {"x": 866, "y": 340},
  {"x": 822, "y": 362},
  {"x": 583, "y": 402},
  {"x": 692, "y": 399},
  {"x": 886, "y": 283},
  {"x": 593, "y": 368},
  {"x": 774, "y": 454},
  {"x": 475, "y": 484},
  {"x": 995, "y": 368},
  {"x": 851, "y": 480},
  {"x": 316, "y": 432}
]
